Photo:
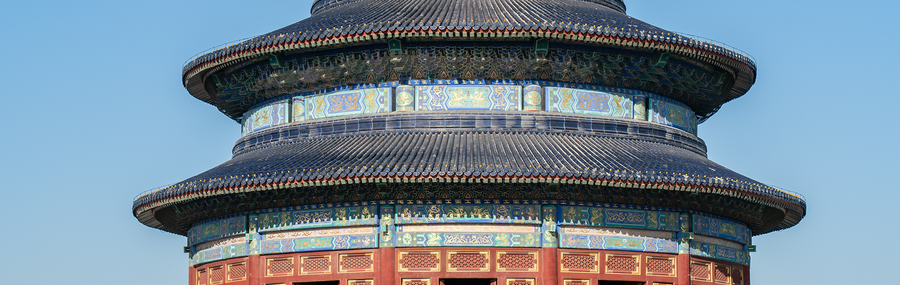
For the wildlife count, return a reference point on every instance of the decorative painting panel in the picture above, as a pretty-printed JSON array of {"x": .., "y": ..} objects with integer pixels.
[
  {"x": 405, "y": 98},
  {"x": 588, "y": 102},
  {"x": 548, "y": 226},
  {"x": 386, "y": 226},
  {"x": 298, "y": 109},
  {"x": 640, "y": 107},
  {"x": 216, "y": 229},
  {"x": 468, "y": 213},
  {"x": 319, "y": 239},
  {"x": 626, "y": 218},
  {"x": 219, "y": 253},
  {"x": 617, "y": 239},
  {"x": 533, "y": 98},
  {"x": 670, "y": 113},
  {"x": 721, "y": 228},
  {"x": 267, "y": 116},
  {"x": 468, "y": 235},
  {"x": 719, "y": 252},
  {"x": 318, "y": 218},
  {"x": 468, "y": 97},
  {"x": 345, "y": 103}
]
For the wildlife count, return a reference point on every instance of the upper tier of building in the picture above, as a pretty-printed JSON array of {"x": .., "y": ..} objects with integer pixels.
[{"x": 576, "y": 41}]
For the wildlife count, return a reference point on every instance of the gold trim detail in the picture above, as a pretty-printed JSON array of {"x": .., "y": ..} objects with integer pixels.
[
  {"x": 520, "y": 281},
  {"x": 415, "y": 281}
]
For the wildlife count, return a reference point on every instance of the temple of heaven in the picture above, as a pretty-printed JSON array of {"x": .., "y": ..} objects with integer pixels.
[{"x": 427, "y": 142}]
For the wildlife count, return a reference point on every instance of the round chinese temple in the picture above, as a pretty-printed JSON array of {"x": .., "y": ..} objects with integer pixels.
[{"x": 448, "y": 142}]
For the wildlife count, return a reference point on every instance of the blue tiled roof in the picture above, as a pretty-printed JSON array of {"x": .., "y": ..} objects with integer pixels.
[{"x": 474, "y": 145}]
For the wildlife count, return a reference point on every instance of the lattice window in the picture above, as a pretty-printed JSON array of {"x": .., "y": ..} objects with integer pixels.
[
  {"x": 519, "y": 281},
  {"x": 216, "y": 275},
  {"x": 467, "y": 260},
  {"x": 660, "y": 266},
  {"x": 579, "y": 262},
  {"x": 416, "y": 282},
  {"x": 315, "y": 264},
  {"x": 737, "y": 276},
  {"x": 700, "y": 270},
  {"x": 721, "y": 274},
  {"x": 280, "y": 266},
  {"x": 356, "y": 262},
  {"x": 630, "y": 264},
  {"x": 516, "y": 261},
  {"x": 202, "y": 277},
  {"x": 419, "y": 261},
  {"x": 237, "y": 271}
]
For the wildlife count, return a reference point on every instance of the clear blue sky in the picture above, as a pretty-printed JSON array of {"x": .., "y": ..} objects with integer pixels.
[{"x": 95, "y": 113}]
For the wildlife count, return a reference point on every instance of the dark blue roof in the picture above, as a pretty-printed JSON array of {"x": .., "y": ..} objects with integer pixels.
[{"x": 472, "y": 144}]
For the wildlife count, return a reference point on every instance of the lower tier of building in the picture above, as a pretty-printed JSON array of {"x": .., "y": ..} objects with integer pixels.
[{"x": 472, "y": 266}]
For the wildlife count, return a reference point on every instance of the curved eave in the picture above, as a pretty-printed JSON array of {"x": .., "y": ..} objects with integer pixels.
[
  {"x": 557, "y": 149},
  {"x": 742, "y": 68},
  {"x": 793, "y": 211}
]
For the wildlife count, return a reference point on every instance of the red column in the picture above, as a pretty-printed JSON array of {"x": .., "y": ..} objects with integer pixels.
[
  {"x": 388, "y": 266},
  {"x": 683, "y": 269},
  {"x": 255, "y": 270},
  {"x": 549, "y": 266}
]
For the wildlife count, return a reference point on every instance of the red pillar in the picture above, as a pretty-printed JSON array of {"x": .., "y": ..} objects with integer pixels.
[
  {"x": 388, "y": 266},
  {"x": 683, "y": 269},
  {"x": 549, "y": 266},
  {"x": 255, "y": 270}
]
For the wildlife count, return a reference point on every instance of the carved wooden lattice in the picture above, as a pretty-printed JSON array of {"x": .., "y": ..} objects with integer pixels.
[
  {"x": 721, "y": 274},
  {"x": 216, "y": 275},
  {"x": 280, "y": 266},
  {"x": 660, "y": 266},
  {"x": 737, "y": 276},
  {"x": 467, "y": 260},
  {"x": 356, "y": 262},
  {"x": 202, "y": 277},
  {"x": 318, "y": 263},
  {"x": 579, "y": 262},
  {"x": 700, "y": 271},
  {"x": 237, "y": 271},
  {"x": 516, "y": 261},
  {"x": 622, "y": 264},
  {"x": 419, "y": 261}
]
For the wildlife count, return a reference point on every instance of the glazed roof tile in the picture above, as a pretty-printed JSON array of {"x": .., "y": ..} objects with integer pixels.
[{"x": 473, "y": 145}]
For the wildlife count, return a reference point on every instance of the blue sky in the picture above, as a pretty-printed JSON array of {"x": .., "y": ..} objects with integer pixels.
[{"x": 96, "y": 114}]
